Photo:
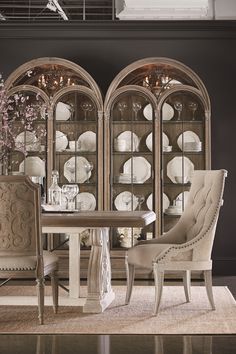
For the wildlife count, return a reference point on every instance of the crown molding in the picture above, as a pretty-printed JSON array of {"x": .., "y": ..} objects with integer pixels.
[{"x": 121, "y": 29}]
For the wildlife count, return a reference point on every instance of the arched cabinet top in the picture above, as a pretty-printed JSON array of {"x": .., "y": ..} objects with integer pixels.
[
  {"x": 61, "y": 71},
  {"x": 80, "y": 89},
  {"x": 129, "y": 89},
  {"x": 184, "y": 89},
  {"x": 152, "y": 68}
]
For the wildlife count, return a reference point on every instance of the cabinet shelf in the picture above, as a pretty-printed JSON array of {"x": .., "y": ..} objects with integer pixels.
[
  {"x": 130, "y": 122},
  {"x": 134, "y": 153},
  {"x": 78, "y": 122},
  {"x": 184, "y": 153},
  {"x": 77, "y": 153},
  {"x": 133, "y": 184},
  {"x": 166, "y": 122},
  {"x": 171, "y": 184}
]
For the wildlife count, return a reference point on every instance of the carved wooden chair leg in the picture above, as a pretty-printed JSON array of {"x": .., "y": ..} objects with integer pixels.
[
  {"x": 54, "y": 283},
  {"x": 159, "y": 281},
  {"x": 130, "y": 271},
  {"x": 208, "y": 284},
  {"x": 40, "y": 293},
  {"x": 187, "y": 284}
]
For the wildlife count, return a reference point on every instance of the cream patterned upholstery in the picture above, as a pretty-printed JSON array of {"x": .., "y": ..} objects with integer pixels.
[
  {"x": 21, "y": 253},
  {"x": 188, "y": 245}
]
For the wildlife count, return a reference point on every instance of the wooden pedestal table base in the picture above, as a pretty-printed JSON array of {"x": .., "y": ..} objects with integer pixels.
[{"x": 100, "y": 293}]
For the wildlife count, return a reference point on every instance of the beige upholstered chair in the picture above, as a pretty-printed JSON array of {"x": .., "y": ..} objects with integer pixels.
[
  {"x": 21, "y": 252},
  {"x": 188, "y": 245}
]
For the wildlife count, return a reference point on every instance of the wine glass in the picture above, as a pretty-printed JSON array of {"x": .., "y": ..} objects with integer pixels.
[
  {"x": 70, "y": 191},
  {"x": 140, "y": 200},
  {"x": 88, "y": 168},
  {"x": 122, "y": 106},
  {"x": 136, "y": 106},
  {"x": 193, "y": 107},
  {"x": 126, "y": 199},
  {"x": 86, "y": 107},
  {"x": 179, "y": 107}
]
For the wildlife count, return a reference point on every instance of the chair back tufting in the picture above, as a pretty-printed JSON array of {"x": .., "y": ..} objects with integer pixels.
[{"x": 200, "y": 217}]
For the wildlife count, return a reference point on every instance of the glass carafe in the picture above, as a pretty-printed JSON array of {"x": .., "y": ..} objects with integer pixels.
[{"x": 54, "y": 191}]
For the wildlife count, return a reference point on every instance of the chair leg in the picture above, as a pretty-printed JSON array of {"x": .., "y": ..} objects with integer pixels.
[
  {"x": 130, "y": 272},
  {"x": 40, "y": 293},
  {"x": 187, "y": 284},
  {"x": 159, "y": 281},
  {"x": 159, "y": 346},
  {"x": 54, "y": 283},
  {"x": 187, "y": 345},
  {"x": 208, "y": 284}
]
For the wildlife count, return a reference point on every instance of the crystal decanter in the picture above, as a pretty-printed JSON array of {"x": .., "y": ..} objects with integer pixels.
[{"x": 54, "y": 191}]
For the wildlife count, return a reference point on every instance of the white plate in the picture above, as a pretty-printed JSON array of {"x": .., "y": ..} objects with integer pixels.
[
  {"x": 165, "y": 202},
  {"x": 165, "y": 140},
  {"x": 127, "y": 136},
  {"x": 63, "y": 111},
  {"x": 149, "y": 201},
  {"x": 75, "y": 171},
  {"x": 33, "y": 166},
  {"x": 187, "y": 137},
  {"x": 140, "y": 167},
  {"x": 180, "y": 166},
  {"x": 61, "y": 141},
  {"x": 167, "y": 111},
  {"x": 87, "y": 201},
  {"x": 87, "y": 141},
  {"x": 149, "y": 141},
  {"x": 28, "y": 140},
  {"x": 120, "y": 201},
  {"x": 181, "y": 199}
]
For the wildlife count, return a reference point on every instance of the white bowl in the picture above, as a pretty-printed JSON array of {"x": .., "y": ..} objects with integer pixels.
[{"x": 181, "y": 179}]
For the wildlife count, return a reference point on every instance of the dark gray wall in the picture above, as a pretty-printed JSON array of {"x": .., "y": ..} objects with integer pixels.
[{"x": 103, "y": 49}]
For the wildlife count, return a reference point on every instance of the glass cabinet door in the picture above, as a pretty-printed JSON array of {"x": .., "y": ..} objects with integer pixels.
[
  {"x": 184, "y": 150},
  {"x": 131, "y": 163},
  {"x": 76, "y": 150}
]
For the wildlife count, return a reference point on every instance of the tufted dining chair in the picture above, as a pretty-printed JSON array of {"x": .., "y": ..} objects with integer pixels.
[
  {"x": 21, "y": 253},
  {"x": 187, "y": 246}
]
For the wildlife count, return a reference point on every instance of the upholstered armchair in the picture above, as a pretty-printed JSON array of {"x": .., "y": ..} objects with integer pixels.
[
  {"x": 21, "y": 253},
  {"x": 187, "y": 246}
]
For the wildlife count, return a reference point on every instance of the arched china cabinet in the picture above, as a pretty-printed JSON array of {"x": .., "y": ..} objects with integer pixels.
[
  {"x": 137, "y": 150},
  {"x": 171, "y": 138},
  {"x": 67, "y": 135}
]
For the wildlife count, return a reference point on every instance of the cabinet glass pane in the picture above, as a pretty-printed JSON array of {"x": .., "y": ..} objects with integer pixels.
[
  {"x": 131, "y": 178},
  {"x": 183, "y": 144}
]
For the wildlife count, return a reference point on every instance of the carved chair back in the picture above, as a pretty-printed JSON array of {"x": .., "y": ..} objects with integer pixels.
[{"x": 20, "y": 227}]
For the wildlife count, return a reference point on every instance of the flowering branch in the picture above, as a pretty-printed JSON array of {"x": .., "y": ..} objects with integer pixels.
[{"x": 17, "y": 114}]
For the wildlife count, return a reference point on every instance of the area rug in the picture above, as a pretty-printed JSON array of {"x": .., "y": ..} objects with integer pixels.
[{"x": 175, "y": 317}]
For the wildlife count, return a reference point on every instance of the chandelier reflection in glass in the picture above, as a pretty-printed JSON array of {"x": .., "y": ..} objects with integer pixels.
[
  {"x": 157, "y": 81},
  {"x": 52, "y": 81}
]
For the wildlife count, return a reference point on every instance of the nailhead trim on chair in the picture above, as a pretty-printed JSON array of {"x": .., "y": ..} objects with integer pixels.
[{"x": 24, "y": 268}]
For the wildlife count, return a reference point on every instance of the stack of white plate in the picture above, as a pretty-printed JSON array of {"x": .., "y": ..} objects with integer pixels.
[
  {"x": 173, "y": 210},
  {"x": 167, "y": 148},
  {"x": 193, "y": 146},
  {"x": 125, "y": 178}
]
